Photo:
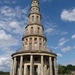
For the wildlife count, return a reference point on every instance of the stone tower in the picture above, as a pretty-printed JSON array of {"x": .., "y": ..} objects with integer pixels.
[{"x": 34, "y": 58}]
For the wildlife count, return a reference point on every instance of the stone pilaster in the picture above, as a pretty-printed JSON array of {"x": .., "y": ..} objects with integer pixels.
[
  {"x": 25, "y": 68},
  {"x": 11, "y": 70},
  {"x": 14, "y": 66},
  {"x": 18, "y": 71},
  {"x": 45, "y": 69},
  {"x": 55, "y": 66},
  {"x": 41, "y": 65},
  {"x": 21, "y": 63},
  {"x": 50, "y": 66},
  {"x": 31, "y": 65},
  {"x": 39, "y": 69}
]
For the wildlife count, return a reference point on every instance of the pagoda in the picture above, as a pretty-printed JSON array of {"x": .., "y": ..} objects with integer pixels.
[{"x": 34, "y": 58}]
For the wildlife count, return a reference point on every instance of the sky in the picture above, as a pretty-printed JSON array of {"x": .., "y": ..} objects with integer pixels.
[{"x": 58, "y": 19}]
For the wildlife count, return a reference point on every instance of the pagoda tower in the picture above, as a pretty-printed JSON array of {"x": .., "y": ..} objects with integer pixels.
[{"x": 34, "y": 58}]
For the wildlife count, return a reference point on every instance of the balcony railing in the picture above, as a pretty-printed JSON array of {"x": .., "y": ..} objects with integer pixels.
[
  {"x": 19, "y": 50},
  {"x": 47, "y": 49},
  {"x": 40, "y": 34}
]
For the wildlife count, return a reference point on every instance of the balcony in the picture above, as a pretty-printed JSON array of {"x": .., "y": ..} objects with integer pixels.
[
  {"x": 35, "y": 34},
  {"x": 19, "y": 50},
  {"x": 47, "y": 49}
]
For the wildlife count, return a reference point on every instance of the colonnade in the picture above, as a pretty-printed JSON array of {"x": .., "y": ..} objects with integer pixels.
[{"x": 52, "y": 66}]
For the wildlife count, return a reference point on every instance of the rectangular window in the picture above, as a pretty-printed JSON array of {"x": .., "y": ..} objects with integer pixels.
[{"x": 35, "y": 40}]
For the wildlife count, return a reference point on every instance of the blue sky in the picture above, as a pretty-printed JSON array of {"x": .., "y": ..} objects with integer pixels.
[{"x": 58, "y": 19}]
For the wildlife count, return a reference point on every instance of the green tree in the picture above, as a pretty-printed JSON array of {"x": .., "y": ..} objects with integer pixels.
[
  {"x": 70, "y": 67},
  {"x": 61, "y": 69}
]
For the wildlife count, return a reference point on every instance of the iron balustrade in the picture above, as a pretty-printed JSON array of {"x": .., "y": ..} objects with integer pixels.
[
  {"x": 47, "y": 49},
  {"x": 32, "y": 33}
]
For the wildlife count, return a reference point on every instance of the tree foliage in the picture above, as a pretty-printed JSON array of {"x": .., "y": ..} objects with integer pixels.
[
  {"x": 65, "y": 69},
  {"x": 4, "y": 73}
]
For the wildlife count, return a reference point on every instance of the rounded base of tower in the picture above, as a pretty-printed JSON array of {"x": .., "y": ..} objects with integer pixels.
[
  {"x": 33, "y": 62},
  {"x": 33, "y": 52}
]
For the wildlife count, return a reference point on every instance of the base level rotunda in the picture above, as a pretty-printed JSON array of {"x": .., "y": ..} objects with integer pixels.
[{"x": 33, "y": 63}]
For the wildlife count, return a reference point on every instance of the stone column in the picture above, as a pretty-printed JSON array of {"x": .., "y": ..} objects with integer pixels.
[
  {"x": 11, "y": 70},
  {"x": 39, "y": 69},
  {"x": 25, "y": 68},
  {"x": 50, "y": 66},
  {"x": 31, "y": 65},
  {"x": 21, "y": 62},
  {"x": 55, "y": 66},
  {"x": 14, "y": 66},
  {"x": 41, "y": 65},
  {"x": 45, "y": 69},
  {"x": 18, "y": 71}
]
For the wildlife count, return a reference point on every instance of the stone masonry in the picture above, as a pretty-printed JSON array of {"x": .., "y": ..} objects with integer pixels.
[{"x": 34, "y": 58}]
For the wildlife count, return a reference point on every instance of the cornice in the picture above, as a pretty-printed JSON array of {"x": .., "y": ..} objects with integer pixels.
[
  {"x": 43, "y": 36},
  {"x": 35, "y": 13},
  {"x": 33, "y": 51},
  {"x": 34, "y": 24}
]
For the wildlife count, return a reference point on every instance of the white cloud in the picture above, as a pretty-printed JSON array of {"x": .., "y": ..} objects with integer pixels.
[
  {"x": 46, "y": 0},
  {"x": 49, "y": 30},
  {"x": 68, "y": 48},
  {"x": 73, "y": 36},
  {"x": 13, "y": 19},
  {"x": 8, "y": 1},
  {"x": 17, "y": 28},
  {"x": 12, "y": 22},
  {"x": 7, "y": 11},
  {"x": 59, "y": 55},
  {"x": 6, "y": 40},
  {"x": 5, "y": 61},
  {"x": 62, "y": 41},
  {"x": 68, "y": 15},
  {"x": 64, "y": 33},
  {"x": 74, "y": 46},
  {"x": 54, "y": 47},
  {"x": 70, "y": 62}
]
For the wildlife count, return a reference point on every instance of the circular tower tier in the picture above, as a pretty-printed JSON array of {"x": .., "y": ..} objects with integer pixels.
[
  {"x": 34, "y": 63},
  {"x": 34, "y": 58}
]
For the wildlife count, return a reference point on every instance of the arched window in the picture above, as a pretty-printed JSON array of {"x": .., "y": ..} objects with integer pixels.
[
  {"x": 40, "y": 45},
  {"x": 35, "y": 40},
  {"x": 38, "y": 30},
  {"x": 32, "y": 18},
  {"x": 37, "y": 18},
  {"x": 26, "y": 41},
  {"x": 31, "y": 30},
  {"x": 34, "y": 2},
  {"x": 37, "y": 10},
  {"x": 30, "y": 40},
  {"x": 39, "y": 39},
  {"x": 43, "y": 43},
  {"x": 30, "y": 46},
  {"x": 33, "y": 10}
]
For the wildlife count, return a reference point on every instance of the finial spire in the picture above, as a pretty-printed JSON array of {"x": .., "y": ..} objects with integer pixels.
[{"x": 34, "y": 16}]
